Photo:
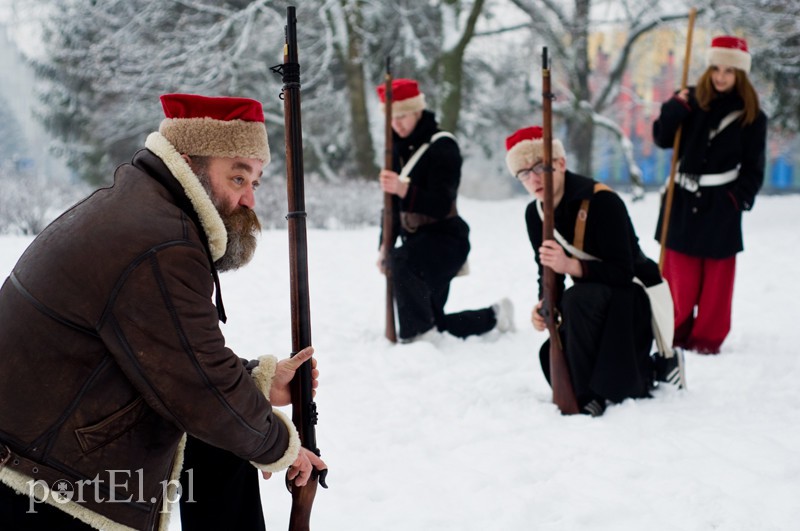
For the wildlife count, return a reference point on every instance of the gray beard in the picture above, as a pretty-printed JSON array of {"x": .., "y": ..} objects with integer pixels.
[
  {"x": 238, "y": 252},
  {"x": 242, "y": 241}
]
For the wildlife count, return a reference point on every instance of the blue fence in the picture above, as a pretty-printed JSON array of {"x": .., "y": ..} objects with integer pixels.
[{"x": 781, "y": 176}]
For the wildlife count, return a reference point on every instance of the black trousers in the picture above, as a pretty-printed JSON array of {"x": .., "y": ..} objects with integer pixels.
[
  {"x": 219, "y": 490},
  {"x": 606, "y": 336},
  {"x": 422, "y": 269},
  {"x": 15, "y": 515}
]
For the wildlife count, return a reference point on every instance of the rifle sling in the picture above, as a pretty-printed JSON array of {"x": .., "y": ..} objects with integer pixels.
[
  {"x": 583, "y": 213},
  {"x": 576, "y": 247}
]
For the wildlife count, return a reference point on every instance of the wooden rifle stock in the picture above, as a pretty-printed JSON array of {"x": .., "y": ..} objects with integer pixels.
[
  {"x": 676, "y": 144},
  {"x": 563, "y": 392},
  {"x": 304, "y": 410},
  {"x": 388, "y": 235}
]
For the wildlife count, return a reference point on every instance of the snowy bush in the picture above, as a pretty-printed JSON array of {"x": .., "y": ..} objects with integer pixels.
[
  {"x": 28, "y": 202},
  {"x": 344, "y": 204}
]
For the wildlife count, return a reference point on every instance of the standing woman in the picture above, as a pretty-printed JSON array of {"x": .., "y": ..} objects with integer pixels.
[{"x": 722, "y": 158}]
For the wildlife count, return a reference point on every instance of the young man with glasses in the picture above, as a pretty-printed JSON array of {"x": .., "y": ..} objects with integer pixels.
[{"x": 606, "y": 317}]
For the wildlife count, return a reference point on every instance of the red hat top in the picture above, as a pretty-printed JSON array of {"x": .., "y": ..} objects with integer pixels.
[
  {"x": 218, "y": 108},
  {"x": 402, "y": 89},
  {"x": 406, "y": 96},
  {"x": 727, "y": 50},
  {"x": 729, "y": 41},
  {"x": 526, "y": 133},
  {"x": 215, "y": 126}
]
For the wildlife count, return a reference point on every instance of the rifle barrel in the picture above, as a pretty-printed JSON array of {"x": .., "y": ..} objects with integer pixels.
[
  {"x": 304, "y": 410},
  {"x": 388, "y": 207},
  {"x": 563, "y": 392}
]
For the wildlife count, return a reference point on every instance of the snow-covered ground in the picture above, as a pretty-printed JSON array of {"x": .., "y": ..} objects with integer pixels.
[{"x": 462, "y": 435}]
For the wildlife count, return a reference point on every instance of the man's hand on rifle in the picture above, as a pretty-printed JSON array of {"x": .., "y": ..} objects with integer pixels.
[
  {"x": 300, "y": 471},
  {"x": 391, "y": 183},
  {"x": 381, "y": 263},
  {"x": 279, "y": 393},
  {"x": 536, "y": 317},
  {"x": 552, "y": 255}
]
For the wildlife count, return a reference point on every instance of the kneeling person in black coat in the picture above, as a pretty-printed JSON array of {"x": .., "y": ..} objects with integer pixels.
[
  {"x": 435, "y": 238},
  {"x": 606, "y": 321}
]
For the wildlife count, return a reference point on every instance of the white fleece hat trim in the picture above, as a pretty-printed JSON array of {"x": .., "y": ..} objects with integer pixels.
[{"x": 525, "y": 153}]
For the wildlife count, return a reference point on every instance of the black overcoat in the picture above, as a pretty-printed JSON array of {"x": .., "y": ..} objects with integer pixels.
[
  {"x": 621, "y": 367},
  {"x": 707, "y": 221},
  {"x": 432, "y": 192}
]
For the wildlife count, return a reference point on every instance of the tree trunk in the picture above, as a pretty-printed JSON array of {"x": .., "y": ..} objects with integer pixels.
[
  {"x": 451, "y": 64},
  {"x": 362, "y": 147},
  {"x": 580, "y": 136}
]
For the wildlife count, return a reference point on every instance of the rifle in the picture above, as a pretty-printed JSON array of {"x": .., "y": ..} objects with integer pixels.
[
  {"x": 675, "y": 147},
  {"x": 563, "y": 393},
  {"x": 304, "y": 410},
  {"x": 388, "y": 210}
]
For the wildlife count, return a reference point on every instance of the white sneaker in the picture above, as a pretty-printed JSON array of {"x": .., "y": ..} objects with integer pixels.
[
  {"x": 504, "y": 314},
  {"x": 671, "y": 370}
]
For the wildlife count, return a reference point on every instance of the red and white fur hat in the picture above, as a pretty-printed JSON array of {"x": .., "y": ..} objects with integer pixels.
[
  {"x": 526, "y": 147},
  {"x": 732, "y": 51},
  {"x": 406, "y": 96},
  {"x": 215, "y": 126}
]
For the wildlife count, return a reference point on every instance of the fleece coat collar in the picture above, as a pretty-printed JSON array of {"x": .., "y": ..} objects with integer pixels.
[{"x": 207, "y": 212}]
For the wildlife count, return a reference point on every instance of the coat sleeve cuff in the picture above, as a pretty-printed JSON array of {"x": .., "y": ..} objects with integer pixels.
[
  {"x": 262, "y": 375},
  {"x": 584, "y": 268},
  {"x": 264, "y": 372},
  {"x": 684, "y": 103},
  {"x": 290, "y": 456}
]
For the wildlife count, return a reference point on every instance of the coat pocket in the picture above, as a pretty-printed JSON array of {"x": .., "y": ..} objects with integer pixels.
[{"x": 112, "y": 427}]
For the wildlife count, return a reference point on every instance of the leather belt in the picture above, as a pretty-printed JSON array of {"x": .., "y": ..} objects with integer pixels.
[{"x": 412, "y": 221}]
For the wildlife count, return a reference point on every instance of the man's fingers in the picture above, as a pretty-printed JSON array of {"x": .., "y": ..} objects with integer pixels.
[
  {"x": 317, "y": 463},
  {"x": 302, "y": 477},
  {"x": 301, "y": 357},
  {"x": 299, "y": 476}
]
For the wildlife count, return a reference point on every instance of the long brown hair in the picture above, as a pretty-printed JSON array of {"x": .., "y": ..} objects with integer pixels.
[{"x": 705, "y": 94}]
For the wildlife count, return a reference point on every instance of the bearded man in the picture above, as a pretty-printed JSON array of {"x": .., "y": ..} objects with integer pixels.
[{"x": 111, "y": 351}]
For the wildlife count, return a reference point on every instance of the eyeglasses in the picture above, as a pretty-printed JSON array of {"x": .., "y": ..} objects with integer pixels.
[{"x": 527, "y": 173}]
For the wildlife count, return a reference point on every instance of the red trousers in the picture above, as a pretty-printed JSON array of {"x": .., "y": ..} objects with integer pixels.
[{"x": 702, "y": 293}]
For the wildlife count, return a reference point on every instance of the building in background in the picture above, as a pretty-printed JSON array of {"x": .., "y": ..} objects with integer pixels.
[{"x": 654, "y": 73}]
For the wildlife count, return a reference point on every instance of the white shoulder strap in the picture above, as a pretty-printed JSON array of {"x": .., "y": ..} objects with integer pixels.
[
  {"x": 406, "y": 171},
  {"x": 728, "y": 120}
]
